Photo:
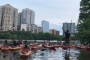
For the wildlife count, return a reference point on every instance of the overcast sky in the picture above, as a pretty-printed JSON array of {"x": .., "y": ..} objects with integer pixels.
[{"x": 54, "y": 11}]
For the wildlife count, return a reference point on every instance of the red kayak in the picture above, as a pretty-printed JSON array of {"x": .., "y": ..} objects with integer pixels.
[
  {"x": 15, "y": 48},
  {"x": 51, "y": 47},
  {"x": 26, "y": 52},
  {"x": 78, "y": 47},
  {"x": 56, "y": 45},
  {"x": 6, "y": 47},
  {"x": 87, "y": 48},
  {"x": 35, "y": 47}
]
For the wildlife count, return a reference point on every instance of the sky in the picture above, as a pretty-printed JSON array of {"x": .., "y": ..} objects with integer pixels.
[{"x": 56, "y": 12}]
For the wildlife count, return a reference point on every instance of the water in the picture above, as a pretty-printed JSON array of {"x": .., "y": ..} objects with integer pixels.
[{"x": 57, "y": 54}]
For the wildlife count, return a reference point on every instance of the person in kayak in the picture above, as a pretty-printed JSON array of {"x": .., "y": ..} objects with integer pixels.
[
  {"x": 79, "y": 44},
  {"x": 60, "y": 43},
  {"x": 35, "y": 43},
  {"x": 67, "y": 35},
  {"x": 43, "y": 48},
  {"x": 15, "y": 43},
  {"x": 89, "y": 45},
  {"x": 57, "y": 43},
  {"x": 47, "y": 43},
  {"x": 44, "y": 42},
  {"x": 12, "y": 41},
  {"x": 85, "y": 44},
  {"x": 6, "y": 43},
  {"x": 19, "y": 42},
  {"x": 26, "y": 46}
]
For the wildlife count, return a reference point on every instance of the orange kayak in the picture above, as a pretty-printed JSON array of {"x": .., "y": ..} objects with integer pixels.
[
  {"x": 15, "y": 48},
  {"x": 6, "y": 47},
  {"x": 28, "y": 52}
]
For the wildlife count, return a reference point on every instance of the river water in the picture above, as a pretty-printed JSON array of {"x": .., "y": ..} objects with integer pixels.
[{"x": 57, "y": 54}]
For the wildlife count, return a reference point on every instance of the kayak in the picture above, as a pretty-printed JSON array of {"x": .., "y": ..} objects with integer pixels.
[
  {"x": 78, "y": 47},
  {"x": 15, "y": 48},
  {"x": 1, "y": 46},
  {"x": 51, "y": 47},
  {"x": 35, "y": 47},
  {"x": 6, "y": 47},
  {"x": 40, "y": 46},
  {"x": 21, "y": 45},
  {"x": 56, "y": 45},
  {"x": 87, "y": 48},
  {"x": 31, "y": 44},
  {"x": 28, "y": 52}
]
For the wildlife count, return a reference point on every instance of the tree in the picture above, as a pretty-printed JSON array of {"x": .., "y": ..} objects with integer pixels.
[{"x": 83, "y": 26}]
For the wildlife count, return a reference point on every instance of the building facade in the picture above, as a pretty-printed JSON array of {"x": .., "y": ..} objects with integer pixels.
[
  {"x": 19, "y": 21},
  {"x": 45, "y": 26},
  {"x": 40, "y": 29},
  {"x": 33, "y": 28},
  {"x": 53, "y": 31},
  {"x": 28, "y": 16},
  {"x": 70, "y": 27},
  {"x": 8, "y": 18}
]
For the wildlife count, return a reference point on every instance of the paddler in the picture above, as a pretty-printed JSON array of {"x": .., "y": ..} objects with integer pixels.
[
  {"x": 43, "y": 47},
  {"x": 15, "y": 43},
  {"x": 44, "y": 42},
  {"x": 6, "y": 43},
  {"x": 35, "y": 43},
  {"x": 89, "y": 45},
  {"x": 12, "y": 41},
  {"x": 19, "y": 42},
  {"x": 25, "y": 46},
  {"x": 79, "y": 44},
  {"x": 57, "y": 43},
  {"x": 60, "y": 43},
  {"x": 67, "y": 36},
  {"x": 85, "y": 44}
]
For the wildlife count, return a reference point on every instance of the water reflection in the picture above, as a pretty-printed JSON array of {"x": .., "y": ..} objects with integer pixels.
[{"x": 57, "y": 54}]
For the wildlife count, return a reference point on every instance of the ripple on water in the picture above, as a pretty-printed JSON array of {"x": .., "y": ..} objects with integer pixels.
[{"x": 59, "y": 54}]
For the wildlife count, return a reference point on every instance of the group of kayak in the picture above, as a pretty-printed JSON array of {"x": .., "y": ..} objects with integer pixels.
[
  {"x": 25, "y": 48},
  {"x": 83, "y": 46}
]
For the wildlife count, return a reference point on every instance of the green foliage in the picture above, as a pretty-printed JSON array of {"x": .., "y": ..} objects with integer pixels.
[
  {"x": 83, "y": 26},
  {"x": 28, "y": 35}
]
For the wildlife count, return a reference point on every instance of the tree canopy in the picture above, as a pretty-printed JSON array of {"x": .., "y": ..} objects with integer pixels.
[{"x": 83, "y": 26}]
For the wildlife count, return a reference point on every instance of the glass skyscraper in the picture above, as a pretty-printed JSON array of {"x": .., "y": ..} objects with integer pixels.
[
  {"x": 70, "y": 27},
  {"x": 19, "y": 21},
  {"x": 28, "y": 16},
  {"x": 45, "y": 26}
]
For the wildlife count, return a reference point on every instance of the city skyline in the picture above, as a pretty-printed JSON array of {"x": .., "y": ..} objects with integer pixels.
[{"x": 55, "y": 12}]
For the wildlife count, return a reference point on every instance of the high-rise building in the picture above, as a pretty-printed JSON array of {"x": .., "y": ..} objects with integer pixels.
[
  {"x": 8, "y": 18},
  {"x": 53, "y": 31},
  {"x": 45, "y": 26},
  {"x": 28, "y": 16},
  {"x": 70, "y": 27},
  {"x": 19, "y": 21}
]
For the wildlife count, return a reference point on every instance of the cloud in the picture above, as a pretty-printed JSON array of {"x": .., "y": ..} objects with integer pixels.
[{"x": 54, "y": 11}]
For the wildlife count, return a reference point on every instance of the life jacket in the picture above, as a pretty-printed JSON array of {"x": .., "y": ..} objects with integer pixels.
[
  {"x": 19, "y": 42},
  {"x": 43, "y": 42}
]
